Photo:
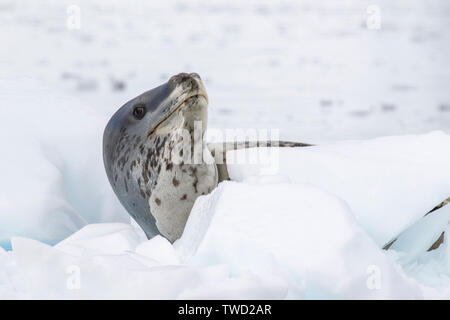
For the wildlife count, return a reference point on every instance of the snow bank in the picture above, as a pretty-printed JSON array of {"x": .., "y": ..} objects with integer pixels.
[
  {"x": 304, "y": 235},
  {"x": 243, "y": 241},
  {"x": 52, "y": 177},
  {"x": 389, "y": 183},
  {"x": 100, "y": 262}
]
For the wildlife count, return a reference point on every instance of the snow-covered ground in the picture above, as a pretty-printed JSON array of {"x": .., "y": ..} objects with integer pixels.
[{"x": 312, "y": 228}]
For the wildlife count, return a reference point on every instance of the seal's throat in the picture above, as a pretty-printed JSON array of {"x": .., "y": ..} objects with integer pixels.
[{"x": 176, "y": 187}]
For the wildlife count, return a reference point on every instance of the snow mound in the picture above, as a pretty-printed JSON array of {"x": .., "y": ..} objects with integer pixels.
[
  {"x": 102, "y": 262},
  {"x": 53, "y": 181},
  {"x": 389, "y": 183},
  {"x": 305, "y": 235}
]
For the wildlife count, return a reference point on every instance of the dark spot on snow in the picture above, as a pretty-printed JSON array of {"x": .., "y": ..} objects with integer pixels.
[
  {"x": 444, "y": 107},
  {"x": 326, "y": 103},
  {"x": 117, "y": 85},
  {"x": 225, "y": 111},
  {"x": 87, "y": 85},
  {"x": 388, "y": 107},
  {"x": 69, "y": 76},
  {"x": 158, "y": 201},
  {"x": 403, "y": 87},
  {"x": 360, "y": 113}
]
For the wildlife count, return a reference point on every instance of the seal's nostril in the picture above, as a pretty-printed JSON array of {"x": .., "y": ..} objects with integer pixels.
[
  {"x": 184, "y": 77},
  {"x": 180, "y": 78}
]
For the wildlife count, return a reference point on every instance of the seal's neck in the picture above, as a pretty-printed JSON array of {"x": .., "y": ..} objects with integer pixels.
[{"x": 184, "y": 171}]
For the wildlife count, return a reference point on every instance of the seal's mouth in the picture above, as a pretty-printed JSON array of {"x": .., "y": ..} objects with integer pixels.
[{"x": 178, "y": 106}]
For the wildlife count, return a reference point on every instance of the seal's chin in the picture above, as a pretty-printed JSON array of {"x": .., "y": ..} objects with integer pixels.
[
  {"x": 199, "y": 99},
  {"x": 204, "y": 97}
]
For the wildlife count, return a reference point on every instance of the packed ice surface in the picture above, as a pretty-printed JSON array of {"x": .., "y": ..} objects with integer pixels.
[{"x": 312, "y": 229}]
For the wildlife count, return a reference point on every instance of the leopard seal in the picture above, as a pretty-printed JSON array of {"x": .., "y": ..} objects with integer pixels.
[{"x": 149, "y": 146}]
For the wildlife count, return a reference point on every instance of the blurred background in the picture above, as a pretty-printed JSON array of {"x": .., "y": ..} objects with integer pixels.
[{"x": 317, "y": 70}]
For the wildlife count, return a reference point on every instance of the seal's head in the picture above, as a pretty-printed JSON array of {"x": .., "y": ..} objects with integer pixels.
[
  {"x": 137, "y": 135},
  {"x": 150, "y": 111}
]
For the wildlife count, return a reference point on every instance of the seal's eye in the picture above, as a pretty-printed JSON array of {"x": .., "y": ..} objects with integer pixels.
[{"x": 139, "y": 111}]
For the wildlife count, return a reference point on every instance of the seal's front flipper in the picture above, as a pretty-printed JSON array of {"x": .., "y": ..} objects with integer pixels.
[
  {"x": 424, "y": 235},
  {"x": 219, "y": 151}
]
